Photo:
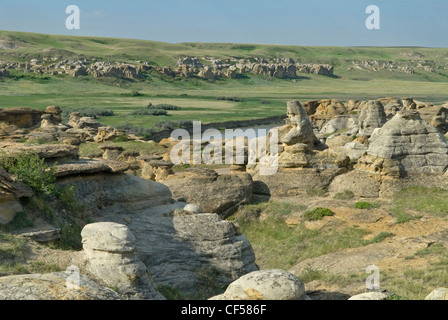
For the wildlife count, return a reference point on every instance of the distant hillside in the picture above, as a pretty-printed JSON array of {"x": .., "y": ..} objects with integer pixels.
[{"x": 357, "y": 63}]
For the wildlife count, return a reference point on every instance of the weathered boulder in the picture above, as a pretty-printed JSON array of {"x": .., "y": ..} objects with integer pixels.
[
  {"x": 55, "y": 113},
  {"x": 214, "y": 193},
  {"x": 53, "y": 286},
  {"x": 116, "y": 192},
  {"x": 362, "y": 184},
  {"x": 328, "y": 109},
  {"x": 272, "y": 284},
  {"x": 353, "y": 150},
  {"x": 370, "y": 296},
  {"x": 107, "y": 134},
  {"x": 156, "y": 170},
  {"x": 338, "y": 141},
  {"x": 45, "y": 151},
  {"x": 294, "y": 181},
  {"x": 391, "y": 106},
  {"x": 88, "y": 166},
  {"x": 207, "y": 73},
  {"x": 180, "y": 250},
  {"x": 21, "y": 117},
  {"x": 109, "y": 248},
  {"x": 436, "y": 116},
  {"x": 46, "y": 235},
  {"x": 111, "y": 152},
  {"x": 192, "y": 208},
  {"x": 347, "y": 124},
  {"x": 438, "y": 294},
  {"x": 415, "y": 144},
  {"x": 372, "y": 116}
]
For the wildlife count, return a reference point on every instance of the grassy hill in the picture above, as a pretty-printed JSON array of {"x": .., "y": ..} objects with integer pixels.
[{"x": 198, "y": 97}]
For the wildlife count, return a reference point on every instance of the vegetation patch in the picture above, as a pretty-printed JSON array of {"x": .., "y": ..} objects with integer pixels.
[
  {"x": 277, "y": 209},
  {"x": 433, "y": 201},
  {"x": 365, "y": 205},
  {"x": 278, "y": 245},
  {"x": 163, "y": 106},
  {"x": 317, "y": 214},
  {"x": 32, "y": 170}
]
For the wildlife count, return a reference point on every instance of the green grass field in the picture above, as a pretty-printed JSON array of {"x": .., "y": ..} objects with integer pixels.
[{"x": 197, "y": 97}]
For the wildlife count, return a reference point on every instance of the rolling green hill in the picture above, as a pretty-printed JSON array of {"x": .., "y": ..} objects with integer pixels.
[{"x": 362, "y": 73}]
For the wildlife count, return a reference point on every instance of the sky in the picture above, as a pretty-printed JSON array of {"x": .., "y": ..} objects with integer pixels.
[{"x": 289, "y": 22}]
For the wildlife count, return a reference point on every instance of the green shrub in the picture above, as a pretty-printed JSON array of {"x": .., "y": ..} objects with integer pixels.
[
  {"x": 234, "y": 99},
  {"x": 365, "y": 205},
  {"x": 381, "y": 236},
  {"x": 122, "y": 138},
  {"x": 317, "y": 214},
  {"x": 149, "y": 112},
  {"x": 163, "y": 106},
  {"x": 32, "y": 170}
]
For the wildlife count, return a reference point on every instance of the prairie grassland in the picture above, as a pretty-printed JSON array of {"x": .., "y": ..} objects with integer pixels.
[{"x": 196, "y": 96}]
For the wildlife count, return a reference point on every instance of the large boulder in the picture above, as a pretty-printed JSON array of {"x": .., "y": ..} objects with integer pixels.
[
  {"x": 293, "y": 181},
  {"x": 45, "y": 151},
  {"x": 415, "y": 144},
  {"x": 116, "y": 192},
  {"x": 272, "y": 284},
  {"x": 109, "y": 248},
  {"x": 214, "y": 193},
  {"x": 346, "y": 124},
  {"x": 184, "y": 250},
  {"x": 328, "y": 109},
  {"x": 372, "y": 116},
  {"x": 21, "y": 117},
  {"x": 438, "y": 294}
]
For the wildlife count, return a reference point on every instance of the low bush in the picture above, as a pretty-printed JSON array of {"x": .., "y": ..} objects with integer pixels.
[
  {"x": 149, "y": 112},
  {"x": 163, "y": 106},
  {"x": 234, "y": 99},
  {"x": 365, "y": 205},
  {"x": 317, "y": 214},
  {"x": 32, "y": 170}
]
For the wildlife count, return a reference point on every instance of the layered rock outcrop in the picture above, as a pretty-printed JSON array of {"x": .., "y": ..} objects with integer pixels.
[{"x": 213, "y": 193}]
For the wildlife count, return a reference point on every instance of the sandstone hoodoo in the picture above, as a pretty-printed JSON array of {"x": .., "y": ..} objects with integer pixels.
[
  {"x": 414, "y": 143},
  {"x": 372, "y": 116}
]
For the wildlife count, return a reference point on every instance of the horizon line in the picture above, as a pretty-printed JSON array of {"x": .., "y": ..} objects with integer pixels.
[{"x": 247, "y": 43}]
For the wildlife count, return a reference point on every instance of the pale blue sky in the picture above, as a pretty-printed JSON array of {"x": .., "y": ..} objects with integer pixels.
[{"x": 294, "y": 22}]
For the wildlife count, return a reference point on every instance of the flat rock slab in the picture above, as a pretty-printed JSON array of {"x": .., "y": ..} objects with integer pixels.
[
  {"x": 46, "y": 151},
  {"x": 43, "y": 235},
  {"x": 87, "y": 166},
  {"x": 52, "y": 286}
]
